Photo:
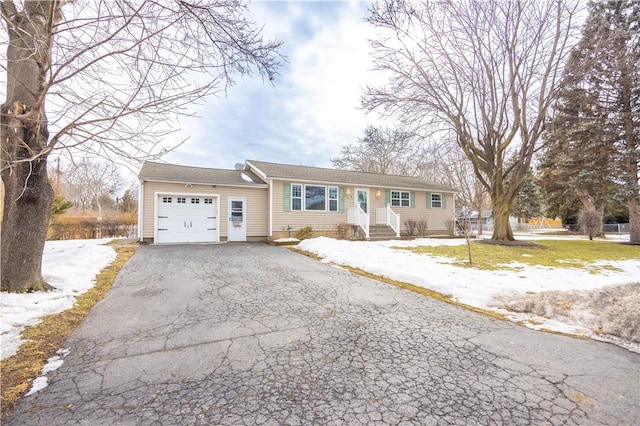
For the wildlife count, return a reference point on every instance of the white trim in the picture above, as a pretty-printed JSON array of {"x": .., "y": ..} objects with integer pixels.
[
  {"x": 442, "y": 202},
  {"x": 400, "y": 191},
  {"x": 255, "y": 185},
  {"x": 337, "y": 199},
  {"x": 303, "y": 197},
  {"x": 140, "y": 209},
  {"x": 157, "y": 194},
  {"x": 355, "y": 198},
  {"x": 270, "y": 183},
  {"x": 357, "y": 184},
  {"x": 255, "y": 170}
]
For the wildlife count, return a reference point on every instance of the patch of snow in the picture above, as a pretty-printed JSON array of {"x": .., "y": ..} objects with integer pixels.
[
  {"x": 286, "y": 240},
  {"x": 71, "y": 267},
  {"x": 52, "y": 364}
]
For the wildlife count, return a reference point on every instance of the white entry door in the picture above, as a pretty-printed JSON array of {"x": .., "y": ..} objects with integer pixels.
[
  {"x": 237, "y": 225},
  {"x": 362, "y": 199}
]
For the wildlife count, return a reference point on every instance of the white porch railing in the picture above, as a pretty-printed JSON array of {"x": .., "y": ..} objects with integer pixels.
[
  {"x": 388, "y": 217},
  {"x": 357, "y": 216}
]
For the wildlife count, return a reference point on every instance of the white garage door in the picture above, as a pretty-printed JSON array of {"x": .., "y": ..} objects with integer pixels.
[{"x": 187, "y": 219}]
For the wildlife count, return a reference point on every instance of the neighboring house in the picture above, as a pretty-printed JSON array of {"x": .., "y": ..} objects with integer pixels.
[{"x": 263, "y": 201}]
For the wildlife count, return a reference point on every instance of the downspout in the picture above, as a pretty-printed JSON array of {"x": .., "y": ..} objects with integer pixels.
[
  {"x": 455, "y": 219},
  {"x": 140, "y": 204},
  {"x": 270, "y": 181}
]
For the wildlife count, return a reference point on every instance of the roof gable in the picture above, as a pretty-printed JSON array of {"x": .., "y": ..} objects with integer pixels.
[{"x": 317, "y": 174}]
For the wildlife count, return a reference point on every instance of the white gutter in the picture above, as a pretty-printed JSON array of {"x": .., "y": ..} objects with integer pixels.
[{"x": 140, "y": 207}]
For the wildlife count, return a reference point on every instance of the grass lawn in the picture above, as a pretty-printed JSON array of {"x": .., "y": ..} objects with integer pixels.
[{"x": 581, "y": 254}]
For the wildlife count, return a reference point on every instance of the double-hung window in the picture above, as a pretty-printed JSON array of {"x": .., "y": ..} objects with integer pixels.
[
  {"x": 333, "y": 198},
  {"x": 400, "y": 199},
  {"x": 296, "y": 196},
  {"x": 436, "y": 201}
]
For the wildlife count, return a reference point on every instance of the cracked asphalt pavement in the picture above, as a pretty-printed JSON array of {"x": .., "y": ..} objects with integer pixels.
[{"x": 251, "y": 334}]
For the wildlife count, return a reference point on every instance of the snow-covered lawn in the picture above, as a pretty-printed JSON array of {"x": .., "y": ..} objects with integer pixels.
[
  {"x": 71, "y": 267},
  {"x": 484, "y": 289}
]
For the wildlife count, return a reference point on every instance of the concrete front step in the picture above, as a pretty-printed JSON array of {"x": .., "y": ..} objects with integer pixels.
[{"x": 381, "y": 232}]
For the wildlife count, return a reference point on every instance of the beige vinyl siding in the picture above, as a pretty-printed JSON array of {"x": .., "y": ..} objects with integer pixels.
[
  {"x": 257, "y": 206},
  {"x": 327, "y": 221},
  {"x": 436, "y": 218},
  {"x": 295, "y": 219}
]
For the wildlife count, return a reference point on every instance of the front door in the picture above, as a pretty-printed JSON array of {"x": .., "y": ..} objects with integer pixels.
[
  {"x": 362, "y": 199},
  {"x": 237, "y": 225}
]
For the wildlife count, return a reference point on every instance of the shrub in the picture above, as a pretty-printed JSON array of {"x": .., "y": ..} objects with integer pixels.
[
  {"x": 421, "y": 227},
  {"x": 70, "y": 228},
  {"x": 411, "y": 225},
  {"x": 304, "y": 233}
]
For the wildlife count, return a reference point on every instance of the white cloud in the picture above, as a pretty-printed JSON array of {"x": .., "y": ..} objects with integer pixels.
[{"x": 311, "y": 111}]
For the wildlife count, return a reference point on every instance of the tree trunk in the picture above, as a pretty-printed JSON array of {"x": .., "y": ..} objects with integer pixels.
[
  {"x": 23, "y": 130},
  {"x": 501, "y": 226},
  {"x": 634, "y": 221},
  {"x": 631, "y": 153},
  {"x": 24, "y": 225}
]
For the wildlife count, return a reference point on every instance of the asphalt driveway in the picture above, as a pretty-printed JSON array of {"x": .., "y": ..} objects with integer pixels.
[{"x": 255, "y": 334}]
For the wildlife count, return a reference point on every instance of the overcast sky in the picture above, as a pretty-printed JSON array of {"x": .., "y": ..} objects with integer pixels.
[{"x": 311, "y": 109}]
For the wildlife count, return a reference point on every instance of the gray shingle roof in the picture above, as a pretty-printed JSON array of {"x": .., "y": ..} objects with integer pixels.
[
  {"x": 174, "y": 173},
  {"x": 317, "y": 174}
]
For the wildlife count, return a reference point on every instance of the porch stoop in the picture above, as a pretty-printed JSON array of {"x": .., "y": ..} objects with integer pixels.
[{"x": 381, "y": 232}]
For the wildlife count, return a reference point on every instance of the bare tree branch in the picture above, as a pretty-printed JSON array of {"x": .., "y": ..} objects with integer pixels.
[{"x": 486, "y": 70}]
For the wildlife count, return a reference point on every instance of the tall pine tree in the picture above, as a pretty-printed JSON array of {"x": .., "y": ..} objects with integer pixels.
[{"x": 592, "y": 146}]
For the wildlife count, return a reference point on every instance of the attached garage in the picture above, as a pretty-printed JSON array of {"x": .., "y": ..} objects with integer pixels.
[
  {"x": 187, "y": 218},
  {"x": 181, "y": 204}
]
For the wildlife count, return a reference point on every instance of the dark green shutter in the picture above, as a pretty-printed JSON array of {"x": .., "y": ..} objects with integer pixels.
[
  {"x": 341, "y": 200},
  {"x": 444, "y": 201},
  {"x": 412, "y": 199},
  {"x": 387, "y": 197},
  {"x": 428, "y": 200},
  {"x": 286, "y": 197}
]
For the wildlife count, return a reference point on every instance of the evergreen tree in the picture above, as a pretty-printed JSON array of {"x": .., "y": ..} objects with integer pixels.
[
  {"x": 527, "y": 204},
  {"x": 592, "y": 146}
]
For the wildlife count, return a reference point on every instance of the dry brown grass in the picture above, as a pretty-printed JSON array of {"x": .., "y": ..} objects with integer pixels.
[
  {"x": 610, "y": 310},
  {"x": 45, "y": 338}
]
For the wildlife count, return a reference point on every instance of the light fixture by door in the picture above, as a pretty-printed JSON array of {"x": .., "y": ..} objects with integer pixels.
[
  {"x": 378, "y": 193},
  {"x": 347, "y": 192}
]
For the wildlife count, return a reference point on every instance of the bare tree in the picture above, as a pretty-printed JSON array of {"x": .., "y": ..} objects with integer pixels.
[
  {"x": 383, "y": 151},
  {"x": 486, "y": 70},
  {"x": 459, "y": 173},
  {"x": 90, "y": 182},
  {"x": 111, "y": 74}
]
